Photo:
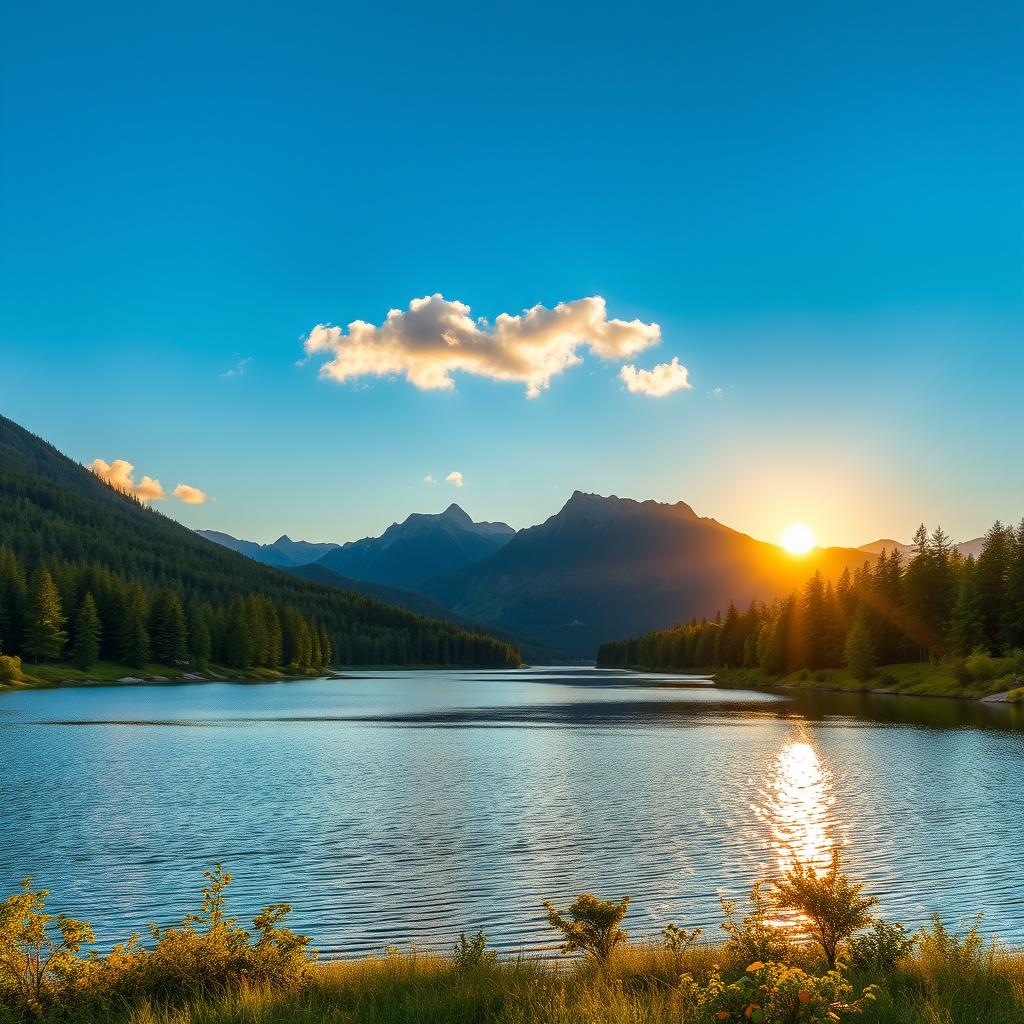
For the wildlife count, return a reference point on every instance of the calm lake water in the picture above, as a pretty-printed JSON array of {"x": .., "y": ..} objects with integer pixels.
[{"x": 405, "y": 807}]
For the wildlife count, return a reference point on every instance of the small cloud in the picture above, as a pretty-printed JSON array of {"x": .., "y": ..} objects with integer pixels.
[
  {"x": 662, "y": 380},
  {"x": 436, "y": 337},
  {"x": 237, "y": 370},
  {"x": 191, "y": 495},
  {"x": 120, "y": 475},
  {"x": 428, "y": 479},
  {"x": 455, "y": 478},
  {"x": 717, "y": 392}
]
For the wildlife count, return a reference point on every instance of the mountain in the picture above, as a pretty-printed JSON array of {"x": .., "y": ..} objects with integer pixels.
[
  {"x": 608, "y": 567},
  {"x": 420, "y": 548},
  {"x": 55, "y": 513},
  {"x": 876, "y": 547},
  {"x": 284, "y": 552}
]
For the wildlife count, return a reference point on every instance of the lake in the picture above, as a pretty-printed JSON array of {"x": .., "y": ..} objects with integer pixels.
[{"x": 399, "y": 807}]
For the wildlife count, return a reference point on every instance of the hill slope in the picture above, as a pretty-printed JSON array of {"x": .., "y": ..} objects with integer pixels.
[
  {"x": 605, "y": 567},
  {"x": 421, "y": 547},
  {"x": 55, "y": 512}
]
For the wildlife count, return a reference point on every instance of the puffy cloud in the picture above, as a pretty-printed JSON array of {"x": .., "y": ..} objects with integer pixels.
[
  {"x": 662, "y": 380},
  {"x": 191, "y": 495},
  {"x": 119, "y": 474},
  {"x": 435, "y": 338},
  {"x": 455, "y": 478},
  {"x": 428, "y": 479}
]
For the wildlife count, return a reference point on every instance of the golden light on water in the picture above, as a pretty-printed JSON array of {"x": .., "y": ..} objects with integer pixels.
[{"x": 796, "y": 806}]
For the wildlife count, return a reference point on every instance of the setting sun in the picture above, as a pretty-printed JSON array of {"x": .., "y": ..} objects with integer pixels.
[{"x": 797, "y": 538}]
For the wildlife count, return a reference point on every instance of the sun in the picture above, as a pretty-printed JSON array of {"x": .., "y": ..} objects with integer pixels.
[{"x": 797, "y": 538}]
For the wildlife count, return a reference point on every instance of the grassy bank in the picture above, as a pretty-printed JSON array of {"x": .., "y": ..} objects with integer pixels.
[
  {"x": 920, "y": 679},
  {"x": 834, "y": 962},
  {"x": 642, "y": 983},
  {"x": 110, "y": 673}
]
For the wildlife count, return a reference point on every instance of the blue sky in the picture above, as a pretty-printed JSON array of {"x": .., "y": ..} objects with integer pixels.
[{"x": 822, "y": 208}]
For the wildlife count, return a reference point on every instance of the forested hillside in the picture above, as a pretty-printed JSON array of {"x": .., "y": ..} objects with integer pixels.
[
  {"x": 935, "y": 605},
  {"x": 87, "y": 572}
]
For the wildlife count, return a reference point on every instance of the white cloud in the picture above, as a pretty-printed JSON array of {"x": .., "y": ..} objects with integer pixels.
[
  {"x": 191, "y": 495},
  {"x": 435, "y": 338},
  {"x": 717, "y": 392},
  {"x": 238, "y": 369},
  {"x": 428, "y": 479},
  {"x": 119, "y": 474},
  {"x": 662, "y": 380},
  {"x": 455, "y": 478}
]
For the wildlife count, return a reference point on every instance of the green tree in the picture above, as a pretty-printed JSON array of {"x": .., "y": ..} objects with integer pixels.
[
  {"x": 168, "y": 632},
  {"x": 590, "y": 925},
  {"x": 44, "y": 628},
  {"x": 832, "y": 906},
  {"x": 967, "y": 622},
  {"x": 86, "y": 645},
  {"x": 859, "y": 652}
]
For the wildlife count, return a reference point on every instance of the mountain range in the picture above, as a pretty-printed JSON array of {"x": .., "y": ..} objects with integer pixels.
[{"x": 601, "y": 567}]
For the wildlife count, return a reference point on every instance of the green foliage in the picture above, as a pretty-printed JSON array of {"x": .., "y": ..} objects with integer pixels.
[
  {"x": 755, "y": 936},
  {"x": 777, "y": 993},
  {"x": 10, "y": 669},
  {"x": 590, "y": 925},
  {"x": 831, "y": 906},
  {"x": 981, "y": 666},
  {"x": 38, "y": 952},
  {"x": 472, "y": 954},
  {"x": 86, "y": 644},
  {"x": 44, "y": 621},
  {"x": 882, "y": 947}
]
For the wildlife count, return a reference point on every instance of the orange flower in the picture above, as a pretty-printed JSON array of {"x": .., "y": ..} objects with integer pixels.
[
  {"x": 804, "y": 996},
  {"x": 722, "y": 1014},
  {"x": 755, "y": 966}
]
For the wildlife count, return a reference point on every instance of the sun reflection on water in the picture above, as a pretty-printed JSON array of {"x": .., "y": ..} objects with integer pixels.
[{"x": 796, "y": 806}]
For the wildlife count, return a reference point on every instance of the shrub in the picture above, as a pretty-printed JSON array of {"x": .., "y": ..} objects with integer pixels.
[
  {"x": 944, "y": 951},
  {"x": 982, "y": 667},
  {"x": 774, "y": 993},
  {"x": 590, "y": 925},
  {"x": 678, "y": 940},
  {"x": 10, "y": 669},
  {"x": 1017, "y": 661},
  {"x": 754, "y": 938},
  {"x": 38, "y": 952},
  {"x": 881, "y": 948},
  {"x": 471, "y": 954},
  {"x": 887, "y": 679},
  {"x": 832, "y": 905},
  {"x": 961, "y": 673}
]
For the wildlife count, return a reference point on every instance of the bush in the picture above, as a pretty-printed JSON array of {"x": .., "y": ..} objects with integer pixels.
[
  {"x": 961, "y": 673},
  {"x": 982, "y": 667},
  {"x": 10, "y": 669},
  {"x": 471, "y": 954},
  {"x": 1017, "y": 661},
  {"x": 831, "y": 904},
  {"x": 39, "y": 959},
  {"x": 754, "y": 938},
  {"x": 881, "y": 948},
  {"x": 887, "y": 679},
  {"x": 774, "y": 993},
  {"x": 590, "y": 925}
]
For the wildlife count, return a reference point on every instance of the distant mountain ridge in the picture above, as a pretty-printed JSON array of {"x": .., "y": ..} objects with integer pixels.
[
  {"x": 609, "y": 566},
  {"x": 419, "y": 548},
  {"x": 876, "y": 547},
  {"x": 283, "y": 552}
]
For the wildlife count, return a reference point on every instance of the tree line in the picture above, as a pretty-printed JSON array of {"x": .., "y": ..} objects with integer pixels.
[
  {"x": 933, "y": 604},
  {"x": 147, "y": 574}
]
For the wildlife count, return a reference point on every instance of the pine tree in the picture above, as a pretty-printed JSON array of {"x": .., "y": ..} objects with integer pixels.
[
  {"x": 44, "y": 627},
  {"x": 967, "y": 622},
  {"x": 1012, "y": 624},
  {"x": 86, "y": 645},
  {"x": 134, "y": 649},
  {"x": 991, "y": 580},
  {"x": 860, "y": 649},
  {"x": 168, "y": 633}
]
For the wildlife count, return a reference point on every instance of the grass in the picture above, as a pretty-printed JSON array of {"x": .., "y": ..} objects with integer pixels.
[
  {"x": 42, "y": 675},
  {"x": 920, "y": 679},
  {"x": 640, "y": 985}
]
